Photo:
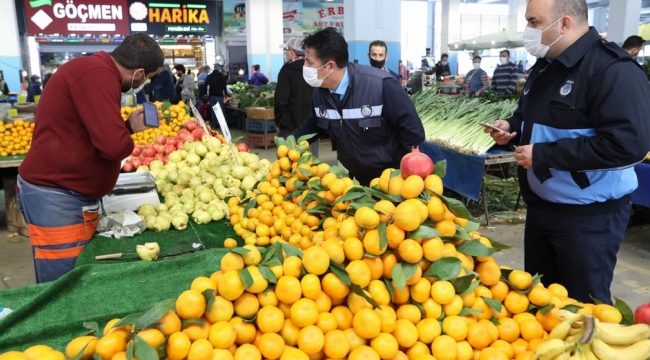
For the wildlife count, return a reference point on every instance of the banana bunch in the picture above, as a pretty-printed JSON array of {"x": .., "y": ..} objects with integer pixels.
[
  {"x": 149, "y": 251},
  {"x": 583, "y": 337}
]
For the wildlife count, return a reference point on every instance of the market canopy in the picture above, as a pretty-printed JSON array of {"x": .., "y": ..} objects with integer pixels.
[{"x": 501, "y": 39}]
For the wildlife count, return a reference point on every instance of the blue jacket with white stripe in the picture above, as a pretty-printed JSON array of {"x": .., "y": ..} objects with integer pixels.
[
  {"x": 374, "y": 126},
  {"x": 587, "y": 112}
]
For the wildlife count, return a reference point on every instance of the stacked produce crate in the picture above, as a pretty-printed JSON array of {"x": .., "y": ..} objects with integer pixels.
[{"x": 260, "y": 126}]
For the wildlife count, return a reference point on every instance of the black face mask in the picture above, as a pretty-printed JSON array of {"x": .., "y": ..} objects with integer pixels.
[{"x": 376, "y": 63}]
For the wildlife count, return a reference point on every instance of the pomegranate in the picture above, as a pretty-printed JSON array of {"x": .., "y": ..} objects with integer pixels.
[
  {"x": 128, "y": 167},
  {"x": 149, "y": 152},
  {"x": 158, "y": 157},
  {"x": 160, "y": 139},
  {"x": 416, "y": 163},
  {"x": 136, "y": 151},
  {"x": 172, "y": 141},
  {"x": 159, "y": 148},
  {"x": 148, "y": 146},
  {"x": 136, "y": 162},
  {"x": 165, "y": 159},
  {"x": 169, "y": 149},
  {"x": 198, "y": 133},
  {"x": 642, "y": 314},
  {"x": 242, "y": 147},
  {"x": 179, "y": 146},
  {"x": 191, "y": 125},
  {"x": 146, "y": 161}
]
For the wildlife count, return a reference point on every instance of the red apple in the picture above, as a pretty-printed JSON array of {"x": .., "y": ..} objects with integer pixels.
[
  {"x": 158, "y": 157},
  {"x": 159, "y": 148},
  {"x": 172, "y": 141},
  {"x": 149, "y": 152},
  {"x": 642, "y": 314},
  {"x": 128, "y": 167},
  {"x": 169, "y": 149},
  {"x": 160, "y": 139},
  {"x": 191, "y": 125},
  {"x": 242, "y": 147},
  {"x": 198, "y": 133}
]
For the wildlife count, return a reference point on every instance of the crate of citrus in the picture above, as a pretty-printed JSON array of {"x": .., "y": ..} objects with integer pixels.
[{"x": 16, "y": 137}]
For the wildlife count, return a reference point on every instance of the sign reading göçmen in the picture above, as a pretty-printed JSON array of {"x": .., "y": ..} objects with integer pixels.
[
  {"x": 174, "y": 17},
  {"x": 76, "y": 17}
]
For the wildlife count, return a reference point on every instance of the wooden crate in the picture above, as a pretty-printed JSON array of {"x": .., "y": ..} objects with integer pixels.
[
  {"x": 15, "y": 220},
  {"x": 260, "y": 140}
]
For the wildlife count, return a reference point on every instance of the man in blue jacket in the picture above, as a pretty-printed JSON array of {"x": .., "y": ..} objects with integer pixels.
[
  {"x": 365, "y": 110},
  {"x": 162, "y": 86},
  {"x": 581, "y": 125}
]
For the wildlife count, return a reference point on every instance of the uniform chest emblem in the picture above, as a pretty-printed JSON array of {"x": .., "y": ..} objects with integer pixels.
[
  {"x": 366, "y": 110},
  {"x": 566, "y": 89},
  {"x": 322, "y": 111}
]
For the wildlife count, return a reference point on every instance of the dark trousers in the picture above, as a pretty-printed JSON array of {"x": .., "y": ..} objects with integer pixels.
[{"x": 576, "y": 251}]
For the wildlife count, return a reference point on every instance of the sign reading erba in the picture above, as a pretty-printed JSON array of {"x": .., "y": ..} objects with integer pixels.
[
  {"x": 169, "y": 17},
  {"x": 76, "y": 17}
]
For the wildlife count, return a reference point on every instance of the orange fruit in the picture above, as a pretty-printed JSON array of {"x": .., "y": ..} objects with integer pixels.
[
  {"x": 190, "y": 304},
  {"x": 316, "y": 260},
  {"x": 35, "y": 351},
  {"x": 337, "y": 345},
  {"x": 202, "y": 283},
  {"x": 421, "y": 291},
  {"x": 364, "y": 352},
  {"x": 222, "y": 354},
  {"x": 489, "y": 273},
  {"x": 245, "y": 331},
  {"x": 443, "y": 292},
  {"x": 288, "y": 289},
  {"x": 366, "y": 218},
  {"x": 531, "y": 329},
  {"x": 432, "y": 249},
  {"x": 405, "y": 333},
  {"x": 433, "y": 182},
  {"x": 222, "y": 310},
  {"x": 169, "y": 323},
  {"x": 388, "y": 318},
  {"x": 326, "y": 322},
  {"x": 492, "y": 354},
  {"x": 153, "y": 337},
  {"x": 519, "y": 346},
  {"x": 412, "y": 187},
  {"x": 75, "y": 346},
  {"x": 540, "y": 296},
  {"x": 445, "y": 227},
  {"x": 508, "y": 329},
  {"x": 271, "y": 346},
  {"x": 310, "y": 285},
  {"x": 57, "y": 355},
  {"x": 334, "y": 287},
  {"x": 178, "y": 346},
  {"x": 359, "y": 272},
  {"x": 548, "y": 320},
  {"x": 304, "y": 312},
  {"x": 246, "y": 306},
  {"x": 344, "y": 317},
  {"x": 292, "y": 266},
  {"x": 558, "y": 290},
  {"x": 607, "y": 313},
  {"x": 455, "y": 327},
  {"x": 505, "y": 347},
  {"x": 444, "y": 348},
  {"x": 222, "y": 334},
  {"x": 109, "y": 345},
  {"x": 516, "y": 302},
  {"x": 371, "y": 243},
  {"x": 385, "y": 209},
  {"x": 232, "y": 261},
  {"x": 385, "y": 344},
  {"x": 230, "y": 287},
  {"x": 197, "y": 331},
  {"x": 270, "y": 319},
  {"x": 478, "y": 336},
  {"x": 499, "y": 291},
  {"x": 366, "y": 323},
  {"x": 406, "y": 216},
  {"x": 521, "y": 280},
  {"x": 410, "y": 251},
  {"x": 353, "y": 248},
  {"x": 311, "y": 339},
  {"x": 247, "y": 352},
  {"x": 428, "y": 330},
  {"x": 436, "y": 209},
  {"x": 291, "y": 353}
]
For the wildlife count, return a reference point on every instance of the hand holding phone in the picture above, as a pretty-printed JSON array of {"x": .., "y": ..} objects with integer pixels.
[
  {"x": 490, "y": 126},
  {"x": 150, "y": 115}
]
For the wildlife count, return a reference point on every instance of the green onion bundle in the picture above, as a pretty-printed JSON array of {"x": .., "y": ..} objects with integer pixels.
[{"x": 453, "y": 121}]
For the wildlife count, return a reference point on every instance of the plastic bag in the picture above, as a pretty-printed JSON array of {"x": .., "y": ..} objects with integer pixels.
[{"x": 121, "y": 224}]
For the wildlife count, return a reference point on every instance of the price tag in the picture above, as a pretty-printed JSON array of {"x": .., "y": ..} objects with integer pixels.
[
  {"x": 37, "y": 98},
  {"x": 222, "y": 122},
  {"x": 22, "y": 99},
  {"x": 12, "y": 112}
]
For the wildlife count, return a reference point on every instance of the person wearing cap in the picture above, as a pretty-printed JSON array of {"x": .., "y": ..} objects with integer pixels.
[
  {"x": 34, "y": 88},
  {"x": 215, "y": 88},
  {"x": 292, "y": 94}
]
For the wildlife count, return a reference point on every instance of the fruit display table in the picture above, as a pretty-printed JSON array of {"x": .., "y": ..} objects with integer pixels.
[
  {"x": 53, "y": 313},
  {"x": 172, "y": 243},
  {"x": 641, "y": 196},
  {"x": 465, "y": 172}
]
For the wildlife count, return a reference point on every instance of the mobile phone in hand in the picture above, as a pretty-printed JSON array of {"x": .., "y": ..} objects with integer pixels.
[
  {"x": 490, "y": 126},
  {"x": 150, "y": 115}
]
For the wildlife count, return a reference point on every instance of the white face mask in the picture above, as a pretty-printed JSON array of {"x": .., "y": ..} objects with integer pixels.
[
  {"x": 503, "y": 60},
  {"x": 477, "y": 66},
  {"x": 533, "y": 40},
  {"x": 310, "y": 75},
  {"x": 133, "y": 91},
  {"x": 443, "y": 62}
]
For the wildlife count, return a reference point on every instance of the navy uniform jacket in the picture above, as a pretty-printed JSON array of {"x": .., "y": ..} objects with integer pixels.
[
  {"x": 374, "y": 125},
  {"x": 587, "y": 112}
]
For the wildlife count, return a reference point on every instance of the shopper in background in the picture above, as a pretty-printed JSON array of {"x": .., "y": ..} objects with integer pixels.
[
  {"x": 46, "y": 78},
  {"x": 442, "y": 67},
  {"x": 476, "y": 82},
  {"x": 78, "y": 145},
  {"x": 633, "y": 45},
  {"x": 293, "y": 95},
  {"x": 258, "y": 78},
  {"x": 200, "y": 80},
  {"x": 34, "y": 87},
  {"x": 506, "y": 75},
  {"x": 162, "y": 86},
  {"x": 581, "y": 125},
  {"x": 215, "y": 88},
  {"x": 365, "y": 110},
  {"x": 377, "y": 55},
  {"x": 4, "y": 89},
  {"x": 520, "y": 67},
  {"x": 186, "y": 83}
]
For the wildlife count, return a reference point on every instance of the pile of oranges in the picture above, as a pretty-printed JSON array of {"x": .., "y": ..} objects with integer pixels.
[
  {"x": 16, "y": 137},
  {"x": 390, "y": 271},
  {"x": 172, "y": 118}
]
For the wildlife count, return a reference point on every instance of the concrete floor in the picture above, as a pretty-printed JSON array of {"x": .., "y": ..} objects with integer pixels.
[{"x": 631, "y": 277}]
